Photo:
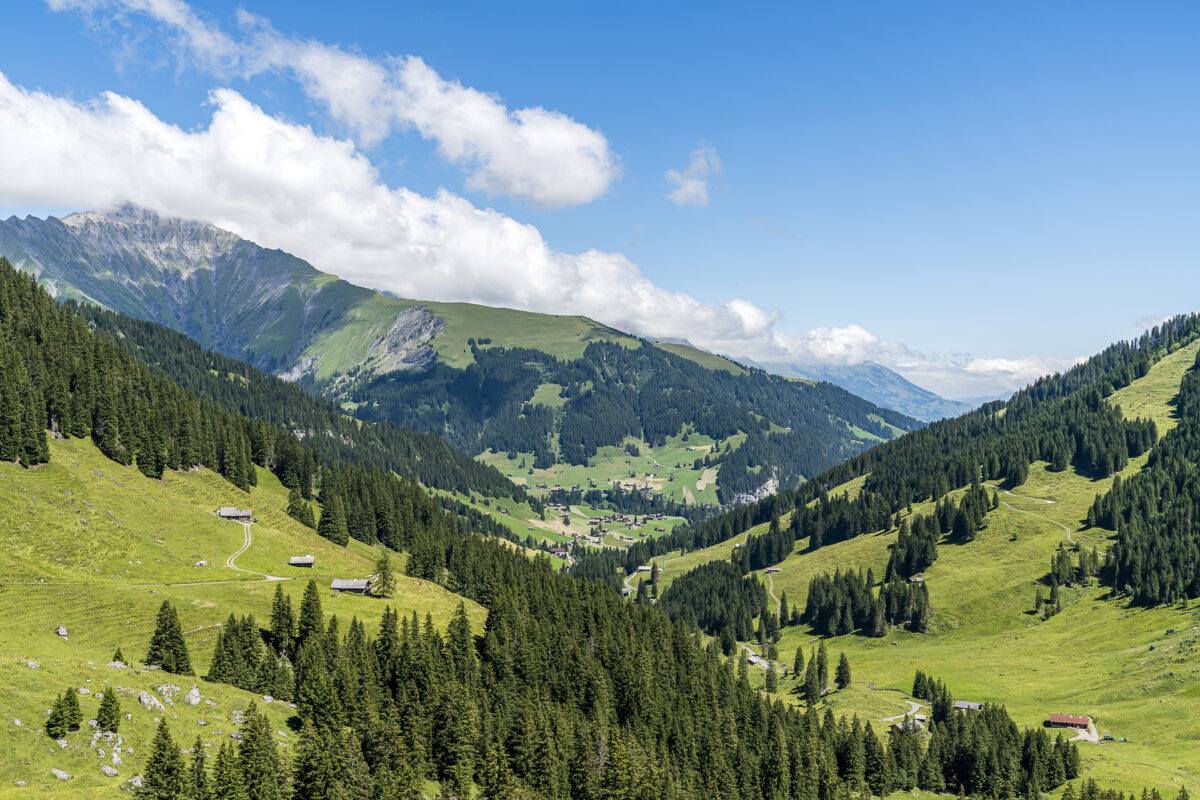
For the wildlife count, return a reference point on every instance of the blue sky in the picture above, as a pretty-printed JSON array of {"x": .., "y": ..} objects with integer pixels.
[{"x": 970, "y": 193}]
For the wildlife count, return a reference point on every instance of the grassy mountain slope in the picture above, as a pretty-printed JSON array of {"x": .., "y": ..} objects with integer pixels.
[
  {"x": 421, "y": 364},
  {"x": 1094, "y": 657},
  {"x": 105, "y": 579}
]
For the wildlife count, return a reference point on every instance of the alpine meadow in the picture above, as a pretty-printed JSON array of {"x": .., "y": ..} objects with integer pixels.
[{"x": 541, "y": 402}]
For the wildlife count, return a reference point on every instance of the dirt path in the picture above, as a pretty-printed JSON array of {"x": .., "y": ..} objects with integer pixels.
[
  {"x": 914, "y": 708},
  {"x": 1039, "y": 516},
  {"x": 771, "y": 590},
  {"x": 1088, "y": 735},
  {"x": 229, "y": 562}
]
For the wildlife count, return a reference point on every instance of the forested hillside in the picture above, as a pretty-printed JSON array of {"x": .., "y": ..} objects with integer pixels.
[
  {"x": 552, "y": 389},
  {"x": 394, "y": 708},
  {"x": 1155, "y": 514},
  {"x": 242, "y": 389},
  {"x": 613, "y": 392},
  {"x": 1062, "y": 419}
]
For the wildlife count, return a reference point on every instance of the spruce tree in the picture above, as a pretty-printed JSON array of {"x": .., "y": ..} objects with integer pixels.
[
  {"x": 842, "y": 678},
  {"x": 56, "y": 723},
  {"x": 311, "y": 624},
  {"x": 198, "y": 785},
  {"x": 108, "y": 718},
  {"x": 798, "y": 666},
  {"x": 299, "y": 509},
  {"x": 168, "y": 650},
  {"x": 876, "y": 767},
  {"x": 119, "y": 657},
  {"x": 283, "y": 623},
  {"x": 72, "y": 713},
  {"x": 227, "y": 782},
  {"x": 258, "y": 758},
  {"x": 384, "y": 584},
  {"x": 812, "y": 685},
  {"x": 333, "y": 519},
  {"x": 164, "y": 777},
  {"x": 772, "y": 681},
  {"x": 822, "y": 666}
]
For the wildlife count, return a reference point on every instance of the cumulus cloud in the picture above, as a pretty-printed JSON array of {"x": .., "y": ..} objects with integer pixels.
[
  {"x": 691, "y": 185},
  {"x": 282, "y": 185},
  {"x": 538, "y": 155},
  {"x": 973, "y": 378}
]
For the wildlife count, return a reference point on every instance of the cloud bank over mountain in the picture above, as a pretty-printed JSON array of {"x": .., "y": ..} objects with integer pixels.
[{"x": 281, "y": 184}]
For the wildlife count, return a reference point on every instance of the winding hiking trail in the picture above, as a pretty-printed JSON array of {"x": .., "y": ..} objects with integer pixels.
[
  {"x": 771, "y": 589},
  {"x": 229, "y": 562},
  {"x": 913, "y": 706}
]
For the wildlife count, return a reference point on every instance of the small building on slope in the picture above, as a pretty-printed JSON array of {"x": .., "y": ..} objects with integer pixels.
[
  {"x": 1079, "y": 721},
  {"x": 355, "y": 585},
  {"x": 235, "y": 514},
  {"x": 302, "y": 561}
]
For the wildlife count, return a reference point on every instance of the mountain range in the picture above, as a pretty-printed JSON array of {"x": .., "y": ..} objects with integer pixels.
[{"x": 549, "y": 390}]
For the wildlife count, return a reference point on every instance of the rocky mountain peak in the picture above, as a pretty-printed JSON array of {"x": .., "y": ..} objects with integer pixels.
[{"x": 167, "y": 242}]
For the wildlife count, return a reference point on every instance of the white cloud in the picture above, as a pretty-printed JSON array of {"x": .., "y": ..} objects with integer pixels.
[
  {"x": 281, "y": 185},
  {"x": 691, "y": 185},
  {"x": 541, "y": 156},
  {"x": 980, "y": 377}
]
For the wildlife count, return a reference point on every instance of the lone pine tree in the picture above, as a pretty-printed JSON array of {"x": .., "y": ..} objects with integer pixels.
[
  {"x": 168, "y": 650},
  {"x": 109, "y": 716},
  {"x": 842, "y": 678}
]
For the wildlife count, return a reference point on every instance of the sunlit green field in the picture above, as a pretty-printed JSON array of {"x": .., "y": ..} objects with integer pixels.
[
  {"x": 668, "y": 470},
  {"x": 96, "y": 547}
]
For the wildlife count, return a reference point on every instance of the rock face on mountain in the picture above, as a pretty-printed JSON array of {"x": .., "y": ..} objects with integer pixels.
[{"x": 258, "y": 305}]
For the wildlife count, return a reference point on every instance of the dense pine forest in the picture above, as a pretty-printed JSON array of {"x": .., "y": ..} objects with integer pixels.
[
  {"x": 1155, "y": 513},
  {"x": 612, "y": 392},
  {"x": 242, "y": 389}
]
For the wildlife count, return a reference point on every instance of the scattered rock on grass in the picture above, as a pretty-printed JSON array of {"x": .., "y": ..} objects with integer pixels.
[
  {"x": 61, "y": 630},
  {"x": 61, "y": 774},
  {"x": 109, "y": 771},
  {"x": 192, "y": 698},
  {"x": 149, "y": 701}
]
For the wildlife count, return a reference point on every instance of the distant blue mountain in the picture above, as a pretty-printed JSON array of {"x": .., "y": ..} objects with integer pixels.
[{"x": 880, "y": 385}]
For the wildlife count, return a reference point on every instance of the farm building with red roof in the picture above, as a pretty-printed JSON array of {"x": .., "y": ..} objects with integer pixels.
[{"x": 1070, "y": 720}]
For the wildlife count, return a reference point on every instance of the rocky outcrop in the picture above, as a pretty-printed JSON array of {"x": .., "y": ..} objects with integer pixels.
[
  {"x": 150, "y": 701},
  {"x": 407, "y": 344}
]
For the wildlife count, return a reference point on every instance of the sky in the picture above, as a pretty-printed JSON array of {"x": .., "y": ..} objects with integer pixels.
[{"x": 973, "y": 194}]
